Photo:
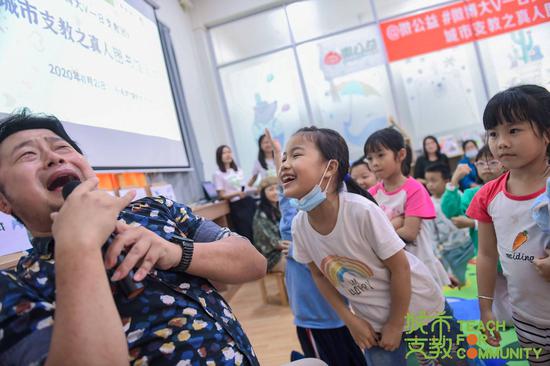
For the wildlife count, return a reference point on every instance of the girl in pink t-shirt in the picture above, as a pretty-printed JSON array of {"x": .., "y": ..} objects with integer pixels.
[{"x": 404, "y": 200}]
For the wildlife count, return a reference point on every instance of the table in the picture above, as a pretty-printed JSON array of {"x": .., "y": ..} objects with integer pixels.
[
  {"x": 10, "y": 260},
  {"x": 216, "y": 211}
]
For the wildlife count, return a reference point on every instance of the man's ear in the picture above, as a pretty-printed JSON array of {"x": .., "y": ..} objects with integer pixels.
[{"x": 5, "y": 206}]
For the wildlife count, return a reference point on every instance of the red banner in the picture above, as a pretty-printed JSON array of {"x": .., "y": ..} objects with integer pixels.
[{"x": 462, "y": 22}]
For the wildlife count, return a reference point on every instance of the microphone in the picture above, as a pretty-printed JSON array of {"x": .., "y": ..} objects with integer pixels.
[{"x": 127, "y": 285}]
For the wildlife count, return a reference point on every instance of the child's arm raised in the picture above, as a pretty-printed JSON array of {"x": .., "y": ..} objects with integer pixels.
[
  {"x": 276, "y": 150},
  {"x": 487, "y": 259},
  {"x": 400, "y": 291},
  {"x": 252, "y": 180},
  {"x": 362, "y": 332}
]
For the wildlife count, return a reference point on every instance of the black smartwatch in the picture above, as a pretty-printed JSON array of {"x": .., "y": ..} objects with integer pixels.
[{"x": 187, "y": 246}]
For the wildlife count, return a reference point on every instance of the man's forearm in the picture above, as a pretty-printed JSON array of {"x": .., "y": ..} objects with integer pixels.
[
  {"x": 87, "y": 328},
  {"x": 229, "y": 260}
]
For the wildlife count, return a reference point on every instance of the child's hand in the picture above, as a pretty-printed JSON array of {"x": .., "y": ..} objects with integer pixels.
[
  {"x": 489, "y": 325},
  {"x": 461, "y": 171},
  {"x": 283, "y": 246},
  {"x": 398, "y": 222},
  {"x": 276, "y": 150},
  {"x": 454, "y": 282},
  {"x": 362, "y": 332},
  {"x": 542, "y": 265},
  {"x": 462, "y": 221},
  {"x": 391, "y": 337}
]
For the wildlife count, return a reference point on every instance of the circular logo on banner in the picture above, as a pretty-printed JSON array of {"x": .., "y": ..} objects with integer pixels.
[
  {"x": 332, "y": 58},
  {"x": 393, "y": 32}
]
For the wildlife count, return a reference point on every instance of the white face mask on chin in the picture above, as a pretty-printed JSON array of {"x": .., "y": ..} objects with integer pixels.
[{"x": 314, "y": 197}]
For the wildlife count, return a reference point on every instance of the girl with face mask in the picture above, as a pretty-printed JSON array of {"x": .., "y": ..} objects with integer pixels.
[{"x": 353, "y": 251}]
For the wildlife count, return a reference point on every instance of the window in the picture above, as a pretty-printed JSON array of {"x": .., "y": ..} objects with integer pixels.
[
  {"x": 315, "y": 18},
  {"x": 262, "y": 92},
  {"x": 347, "y": 85},
  {"x": 390, "y": 8},
  {"x": 440, "y": 93},
  {"x": 520, "y": 57},
  {"x": 250, "y": 36}
]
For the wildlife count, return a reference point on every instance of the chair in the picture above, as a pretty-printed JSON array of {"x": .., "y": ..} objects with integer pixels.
[{"x": 280, "y": 280}]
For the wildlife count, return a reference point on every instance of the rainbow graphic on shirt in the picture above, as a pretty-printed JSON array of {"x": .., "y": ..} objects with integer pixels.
[{"x": 347, "y": 273}]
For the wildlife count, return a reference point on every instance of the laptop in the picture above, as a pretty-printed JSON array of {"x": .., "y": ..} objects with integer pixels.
[{"x": 210, "y": 191}]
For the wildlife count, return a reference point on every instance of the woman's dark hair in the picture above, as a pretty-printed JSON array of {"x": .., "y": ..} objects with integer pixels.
[
  {"x": 261, "y": 154},
  {"x": 271, "y": 211},
  {"x": 437, "y": 152},
  {"x": 523, "y": 103},
  {"x": 332, "y": 146},
  {"x": 221, "y": 165},
  {"x": 465, "y": 142},
  {"x": 391, "y": 139}
]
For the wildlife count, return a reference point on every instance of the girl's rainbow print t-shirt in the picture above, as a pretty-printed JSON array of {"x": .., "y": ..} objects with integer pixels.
[{"x": 351, "y": 258}]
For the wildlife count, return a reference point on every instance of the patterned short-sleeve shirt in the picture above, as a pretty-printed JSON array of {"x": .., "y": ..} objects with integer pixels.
[{"x": 179, "y": 319}]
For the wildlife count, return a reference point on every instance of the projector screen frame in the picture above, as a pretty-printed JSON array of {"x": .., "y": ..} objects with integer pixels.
[{"x": 179, "y": 105}]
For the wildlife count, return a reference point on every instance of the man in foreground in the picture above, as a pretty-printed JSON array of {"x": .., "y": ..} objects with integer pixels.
[{"x": 178, "y": 319}]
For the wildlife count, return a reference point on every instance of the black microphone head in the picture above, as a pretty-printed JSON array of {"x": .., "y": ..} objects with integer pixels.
[{"x": 69, "y": 187}]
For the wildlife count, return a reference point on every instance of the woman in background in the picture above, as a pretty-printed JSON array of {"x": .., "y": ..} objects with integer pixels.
[
  {"x": 264, "y": 166},
  {"x": 432, "y": 155},
  {"x": 229, "y": 182}
]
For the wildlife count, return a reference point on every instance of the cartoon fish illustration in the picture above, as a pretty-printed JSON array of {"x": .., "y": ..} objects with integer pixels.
[{"x": 520, "y": 239}]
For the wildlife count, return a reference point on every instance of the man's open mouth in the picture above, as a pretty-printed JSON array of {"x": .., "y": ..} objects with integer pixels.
[{"x": 57, "y": 181}]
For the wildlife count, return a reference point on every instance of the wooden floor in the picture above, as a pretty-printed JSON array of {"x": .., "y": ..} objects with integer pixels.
[{"x": 269, "y": 327}]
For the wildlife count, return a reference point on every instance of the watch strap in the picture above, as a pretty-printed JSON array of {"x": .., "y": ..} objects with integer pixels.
[{"x": 187, "y": 247}]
